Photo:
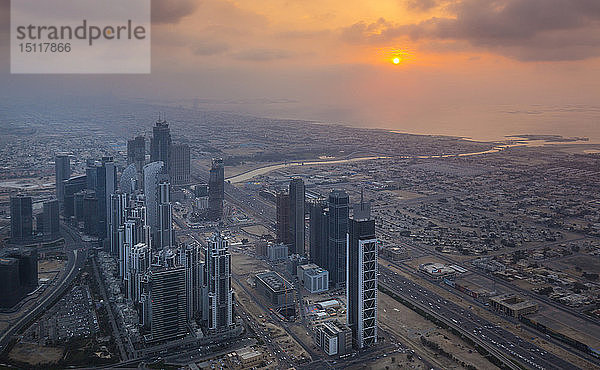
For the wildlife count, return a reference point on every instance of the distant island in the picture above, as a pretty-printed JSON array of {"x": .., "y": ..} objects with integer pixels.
[{"x": 549, "y": 138}]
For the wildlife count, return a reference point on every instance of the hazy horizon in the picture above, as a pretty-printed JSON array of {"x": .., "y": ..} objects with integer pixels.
[{"x": 467, "y": 68}]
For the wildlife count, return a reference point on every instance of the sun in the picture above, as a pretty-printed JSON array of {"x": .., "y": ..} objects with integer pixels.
[{"x": 396, "y": 60}]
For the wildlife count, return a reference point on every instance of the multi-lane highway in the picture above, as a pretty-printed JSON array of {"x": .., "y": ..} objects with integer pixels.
[
  {"x": 76, "y": 261},
  {"x": 506, "y": 343}
]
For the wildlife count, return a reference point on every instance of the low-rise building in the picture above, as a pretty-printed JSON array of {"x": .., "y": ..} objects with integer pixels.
[
  {"x": 512, "y": 305},
  {"x": 278, "y": 292},
  {"x": 437, "y": 271},
  {"x": 316, "y": 280},
  {"x": 333, "y": 337}
]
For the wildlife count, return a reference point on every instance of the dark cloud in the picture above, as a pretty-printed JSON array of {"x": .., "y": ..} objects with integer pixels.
[
  {"x": 262, "y": 55},
  {"x": 362, "y": 31},
  {"x": 421, "y": 5},
  {"x": 521, "y": 29},
  {"x": 207, "y": 48},
  {"x": 171, "y": 11}
]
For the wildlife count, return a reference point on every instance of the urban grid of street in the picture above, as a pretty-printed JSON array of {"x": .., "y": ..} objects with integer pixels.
[
  {"x": 522, "y": 352},
  {"x": 509, "y": 348}
]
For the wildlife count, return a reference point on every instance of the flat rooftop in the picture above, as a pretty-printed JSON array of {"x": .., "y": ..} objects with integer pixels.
[{"x": 274, "y": 281}]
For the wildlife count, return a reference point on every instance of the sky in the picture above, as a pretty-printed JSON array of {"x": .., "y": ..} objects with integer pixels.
[{"x": 479, "y": 68}]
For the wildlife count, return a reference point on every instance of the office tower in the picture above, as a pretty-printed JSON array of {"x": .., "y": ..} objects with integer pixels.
[
  {"x": 218, "y": 281},
  {"x": 10, "y": 289},
  {"x": 361, "y": 285},
  {"x": 153, "y": 176},
  {"x": 180, "y": 164},
  {"x": 297, "y": 216},
  {"x": 133, "y": 231},
  {"x": 216, "y": 190},
  {"x": 338, "y": 228},
  {"x": 118, "y": 212},
  {"x": 71, "y": 187},
  {"x": 90, "y": 213},
  {"x": 103, "y": 175},
  {"x": 160, "y": 145},
  {"x": 78, "y": 206},
  {"x": 283, "y": 218},
  {"x": 21, "y": 218},
  {"x": 90, "y": 174},
  {"x": 18, "y": 274},
  {"x": 190, "y": 258},
  {"x": 51, "y": 228},
  {"x": 138, "y": 263},
  {"x": 136, "y": 152},
  {"x": 62, "y": 171},
  {"x": 165, "y": 233},
  {"x": 129, "y": 179},
  {"x": 319, "y": 232},
  {"x": 167, "y": 303}
]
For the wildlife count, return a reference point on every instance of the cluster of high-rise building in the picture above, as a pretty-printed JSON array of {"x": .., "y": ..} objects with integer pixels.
[
  {"x": 343, "y": 246},
  {"x": 47, "y": 223},
  {"x": 174, "y": 287}
]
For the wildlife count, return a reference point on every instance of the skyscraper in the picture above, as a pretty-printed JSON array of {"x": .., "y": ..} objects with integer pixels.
[
  {"x": 319, "y": 232},
  {"x": 180, "y": 164},
  {"x": 62, "y": 171},
  {"x": 283, "y": 218},
  {"x": 338, "y": 228},
  {"x": 361, "y": 284},
  {"x": 90, "y": 213},
  {"x": 160, "y": 144},
  {"x": 72, "y": 186},
  {"x": 129, "y": 182},
  {"x": 118, "y": 211},
  {"x": 216, "y": 190},
  {"x": 297, "y": 216},
  {"x": 165, "y": 234},
  {"x": 153, "y": 176},
  {"x": 21, "y": 218},
  {"x": 190, "y": 258},
  {"x": 218, "y": 281},
  {"x": 51, "y": 228},
  {"x": 136, "y": 152},
  {"x": 167, "y": 303},
  {"x": 103, "y": 175}
]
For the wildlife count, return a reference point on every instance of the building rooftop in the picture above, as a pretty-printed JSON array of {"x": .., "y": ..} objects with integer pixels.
[{"x": 274, "y": 281}]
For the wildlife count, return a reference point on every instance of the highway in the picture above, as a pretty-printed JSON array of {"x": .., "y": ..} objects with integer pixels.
[
  {"x": 76, "y": 261},
  {"x": 484, "y": 332}
]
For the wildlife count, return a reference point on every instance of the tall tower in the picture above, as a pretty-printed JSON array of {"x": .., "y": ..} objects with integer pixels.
[
  {"x": 218, "y": 281},
  {"x": 21, "y": 218},
  {"x": 118, "y": 212},
  {"x": 153, "y": 176},
  {"x": 160, "y": 144},
  {"x": 216, "y": 190},
  {"x": 283, "y": 218},
  {"x": 51, "y": 228},
  {"x": 165, "y": 234},
  {"x": 62, "y": 169},
  {"x": 180, "y": 164},
  {"x": 297, "y": 216},
  {"x": 361, "y": 285},
  {"x": 319, "y": 232},
  {"x": 167, "y": 303},
  {"x": 338, "y": 228},
  {"x": 136, "y": 151},
  {"x": 105, "y": 183},
  {"x": 190, "y": 258}
]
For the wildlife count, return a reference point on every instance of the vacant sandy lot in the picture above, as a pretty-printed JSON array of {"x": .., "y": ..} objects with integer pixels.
[{"x": 35, "y": 355}]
